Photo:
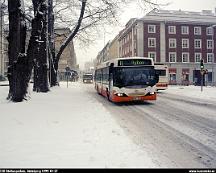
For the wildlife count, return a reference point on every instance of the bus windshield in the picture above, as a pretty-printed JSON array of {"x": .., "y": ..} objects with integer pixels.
[
  {"x": 88, "y": 76},
  {"x": 134, "y": 76}
]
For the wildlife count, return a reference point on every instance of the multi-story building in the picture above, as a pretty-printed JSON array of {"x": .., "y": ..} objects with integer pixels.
[
  {"x": 110, "y": 51},
  {"x": 113, "y": 48},
  {"x": 179, "y": 39},
  {"x": 103, "y": 55}
]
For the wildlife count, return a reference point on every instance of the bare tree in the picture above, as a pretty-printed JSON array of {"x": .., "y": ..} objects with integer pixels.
[
  {"x": 93, "y": 14},
  {"x": 85, "y": 17}
]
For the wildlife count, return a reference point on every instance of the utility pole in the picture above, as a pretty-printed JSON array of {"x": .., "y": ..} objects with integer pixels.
[{"x": 202, "y": 73}]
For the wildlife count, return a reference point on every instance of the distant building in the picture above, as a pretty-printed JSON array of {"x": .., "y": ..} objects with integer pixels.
[
  {"x": 103, "y": 55},
  {"x": 110, "y": 51},
  {"x": 89, "y": 67},
  {"x": 179, "y": 39},
  {"x": 68, "y": 57},
  {"x": 113, "y": 48}
]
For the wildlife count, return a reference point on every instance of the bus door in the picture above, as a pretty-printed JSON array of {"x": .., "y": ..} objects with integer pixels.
[{"x": 111, "y": 68}]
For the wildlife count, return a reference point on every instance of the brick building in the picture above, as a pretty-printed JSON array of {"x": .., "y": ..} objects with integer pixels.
[
  {"x": 179, "y": 39},
  {"x": 68, "y": 57}
]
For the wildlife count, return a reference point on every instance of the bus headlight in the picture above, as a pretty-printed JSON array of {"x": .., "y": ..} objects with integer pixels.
[
  {"x": 121, "y": 94},
  {"x": 152, "y": 93}
]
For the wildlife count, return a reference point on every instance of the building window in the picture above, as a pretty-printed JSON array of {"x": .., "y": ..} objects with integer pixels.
[
  {"x": 209, "y": 44},
  {"x": 151, "y": 29},
  {"x": 135, "y": 32},
  {"x": 198, "y": 43},
  {"x": 172, "y": 29},
  {"x": 185, "y": 43},
  {"x": 198, "y": 57},
  {"x": 185, "y": 30},
  {"x": 185, "y": 57},
  {"x": 172, "y": 57},
  {"x": 135, "y": 44},
  {"x": 172, "y": 77},
  {"x": 152, "y": 55},
  {"x": 172, "y": 43},
  {"x": 197, "y": 30},
  {"x": 151, "y": 42},
  {"x": 209, "y": 57},
  {"x": 209, "y": 31}
]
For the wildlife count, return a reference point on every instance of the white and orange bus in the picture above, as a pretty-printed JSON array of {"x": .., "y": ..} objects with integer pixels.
[
  {"x": 127, "y": 79},
  {"x": 162, "y": 71}
]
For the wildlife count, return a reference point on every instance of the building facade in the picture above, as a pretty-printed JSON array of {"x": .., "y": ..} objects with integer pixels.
[
  {"x": 68, "y": 57},
  {"x": 179, "y": 39}
]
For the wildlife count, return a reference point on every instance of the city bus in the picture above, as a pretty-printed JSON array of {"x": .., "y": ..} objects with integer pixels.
[
  {"x": 162, "y": 71},
  {"x": 127, "y": 79}
]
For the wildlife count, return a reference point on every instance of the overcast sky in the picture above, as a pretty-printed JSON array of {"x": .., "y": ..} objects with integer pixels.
[{"x": 133, "y": 10}]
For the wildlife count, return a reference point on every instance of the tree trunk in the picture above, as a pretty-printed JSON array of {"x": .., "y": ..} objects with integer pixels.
[
  {"x": 52, "y": 71},
  {"x": 41, "y": 83},
  {"x": 18, "y": 64}
]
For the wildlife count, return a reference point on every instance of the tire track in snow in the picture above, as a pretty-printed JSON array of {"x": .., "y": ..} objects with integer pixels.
[{"x": 206, "y": 152}]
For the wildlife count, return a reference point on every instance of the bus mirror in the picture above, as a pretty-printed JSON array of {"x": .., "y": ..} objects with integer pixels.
[
  {"x": 156, "y": 77},
  {"x": 111, "y": 67}
]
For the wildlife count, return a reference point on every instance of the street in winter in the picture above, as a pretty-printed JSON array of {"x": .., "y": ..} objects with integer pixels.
[
  {"x": 107, "y": 84},
  {"x": 76, "y": 127}
]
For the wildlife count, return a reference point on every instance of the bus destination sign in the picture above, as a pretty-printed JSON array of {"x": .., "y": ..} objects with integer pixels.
[{"x": 134, "y": 62}]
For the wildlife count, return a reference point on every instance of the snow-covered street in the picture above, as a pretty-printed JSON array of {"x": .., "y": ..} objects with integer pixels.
[
  {"x": 64, "y": 128},
  {"x": 76, "y": 127}
]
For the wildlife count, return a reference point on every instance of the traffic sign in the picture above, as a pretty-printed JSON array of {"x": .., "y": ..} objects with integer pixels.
[{"x": 67, "y": 68}]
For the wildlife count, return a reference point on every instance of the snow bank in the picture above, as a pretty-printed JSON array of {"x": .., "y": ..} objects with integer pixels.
[{"x": 208, "y": 93}]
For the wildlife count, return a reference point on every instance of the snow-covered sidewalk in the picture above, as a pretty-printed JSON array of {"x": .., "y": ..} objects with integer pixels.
[
  {"x": 208, "y": 93},
  {"x": 64, "y": 128}
]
